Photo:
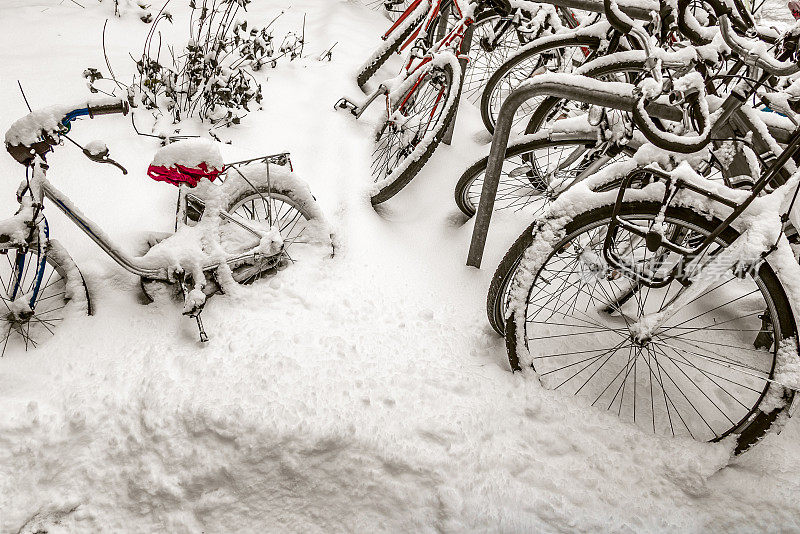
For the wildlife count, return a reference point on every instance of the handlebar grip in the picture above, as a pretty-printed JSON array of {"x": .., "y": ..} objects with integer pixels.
[
  {"x": 108, "y": 109},
  {"x": 618, "y": 20},
  {"x": 771, "y": 64},
  {"x": 685, "y": 144},
  {"x": 695, "y": 37}
]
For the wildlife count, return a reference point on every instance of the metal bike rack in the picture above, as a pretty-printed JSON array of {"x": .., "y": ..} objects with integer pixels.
[
  {"x": 614, "y": 95},
  {"x": 466, "y": 44},
  {"x": 637, "y": 9}
]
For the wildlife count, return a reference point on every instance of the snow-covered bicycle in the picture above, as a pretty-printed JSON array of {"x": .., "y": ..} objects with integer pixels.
[
  {"x": 494, "y": 36},
  {"x": 670, "y": 302},
  {"x": 420, "y": 102},
  {"x": 229, "y": 231},
  {"x": 563, "y": 145}
]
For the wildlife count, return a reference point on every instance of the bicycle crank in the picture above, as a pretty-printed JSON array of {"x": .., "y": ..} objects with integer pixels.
[{"x": 355, "y": 109}]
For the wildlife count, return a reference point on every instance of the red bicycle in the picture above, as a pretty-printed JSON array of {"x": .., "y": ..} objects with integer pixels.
[
  {"x": 493, "y": 36},
  {"x": 421, "y": 102}
]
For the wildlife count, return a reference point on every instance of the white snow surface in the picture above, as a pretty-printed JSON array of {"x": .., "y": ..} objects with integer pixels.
[{"x": 364, "y": 392}]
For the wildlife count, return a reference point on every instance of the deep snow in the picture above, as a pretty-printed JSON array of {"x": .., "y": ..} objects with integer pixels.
[{"x": 360, "y": 393}]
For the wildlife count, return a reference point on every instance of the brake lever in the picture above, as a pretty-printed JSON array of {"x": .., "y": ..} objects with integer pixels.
[{"x": 102, "y": 157}]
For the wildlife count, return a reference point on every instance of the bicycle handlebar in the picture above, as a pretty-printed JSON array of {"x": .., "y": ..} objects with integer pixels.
[
  {"x": 672, "y": 142},
  {"x": 108, "y": 109},
  {"x": 120, "y": 106},
  {"x": 36, "y": 133},
  {"x": 751, "y": 55},
  {"x": 618, "y": 20}
]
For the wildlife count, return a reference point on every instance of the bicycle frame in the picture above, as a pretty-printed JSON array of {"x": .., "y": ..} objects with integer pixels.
[
  {"x": 453, "y": 40},
  {"x": 433, "y": 11},
  {"x": 40, "y": 188},
  {"x": 673, "y": 187}
]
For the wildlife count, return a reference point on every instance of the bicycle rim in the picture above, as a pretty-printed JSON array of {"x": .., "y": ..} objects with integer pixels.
[
  {"x": 269, "y": 209},
  {"x": 559, "y": 56},
  {"x": 418, "y": 122},
  {"x": 484, "y": 62},
  {"x": 527, "y": 172},
  {"x": 703, "y": 374},
  {"x": 23, "y": 284}
]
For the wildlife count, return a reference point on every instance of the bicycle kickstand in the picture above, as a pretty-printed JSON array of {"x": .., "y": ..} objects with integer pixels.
[
  {"x": 357, "y": 110},
  {"x": 194, "y": 312},
  {"x": 203, "y": 336}
]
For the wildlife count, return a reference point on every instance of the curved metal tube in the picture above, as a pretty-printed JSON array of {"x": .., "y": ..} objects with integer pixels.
[
  {"x": 614, "y": 95},
  {"x": 641, "y": 10},
  {"x": 771, "y": 65}
]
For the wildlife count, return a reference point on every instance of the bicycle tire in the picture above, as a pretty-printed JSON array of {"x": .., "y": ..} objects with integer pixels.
[
  {"x": 498, "y": 288},
  {"x": 421, "y": 151},
  {"x": 281, "y": 200},
  {"x": 493, "y": 87},
  {"x": 483, "y": 63},
  {"x": 393, "y": 43},
  {"x": 488, "y": 16},
  {"x": 66, "y": 291},
  {"x": 544, "y": 108},
  {"x": 497, "y": 297},
  {"x": 765, "y": 405},
  {"x": 467, "y": 189}
]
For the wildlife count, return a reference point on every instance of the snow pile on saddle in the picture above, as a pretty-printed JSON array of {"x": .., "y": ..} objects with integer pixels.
[
  {"x": 190, "y": 153},
  {"x": 187, "y": 162}
]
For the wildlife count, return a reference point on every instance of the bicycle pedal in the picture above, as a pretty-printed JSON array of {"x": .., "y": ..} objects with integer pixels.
[{"x": 344, "y": 103}]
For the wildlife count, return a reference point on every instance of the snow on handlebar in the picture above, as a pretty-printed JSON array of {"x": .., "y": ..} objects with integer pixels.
[
  {"x": 755, "y": 52},
  {"x": 36, "y": 132}
]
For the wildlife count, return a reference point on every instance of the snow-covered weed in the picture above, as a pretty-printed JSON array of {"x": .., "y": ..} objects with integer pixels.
[{"x": 211, "y": 76}]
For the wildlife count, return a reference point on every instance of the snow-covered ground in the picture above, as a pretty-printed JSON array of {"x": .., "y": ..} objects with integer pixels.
[{"x": 360, "y": 393}]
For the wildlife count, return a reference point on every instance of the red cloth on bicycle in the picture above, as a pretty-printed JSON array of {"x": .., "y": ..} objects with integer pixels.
[{"x": 178, "y": 174}]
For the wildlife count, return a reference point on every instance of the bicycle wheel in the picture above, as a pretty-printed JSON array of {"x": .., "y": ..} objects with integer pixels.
[
  {"x": 539, "y": 160},
  {"x": 283, "y": 203},
  {"x": 550, "y": 54},
  {"x": 494, "y": 40},
  {"x": 407, "y": 139},
  {"x": 528, "y": 170},
  {"x": 392, "y": 44},
  {"x": 543, "y": 112},
  {"x": 705, "y": 373},
  {"x": 497, "y": 297},
  {"x": 37, "y": 299}
]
